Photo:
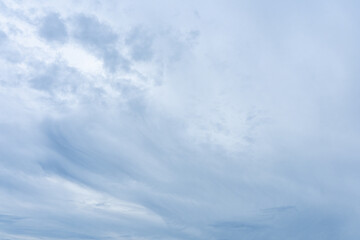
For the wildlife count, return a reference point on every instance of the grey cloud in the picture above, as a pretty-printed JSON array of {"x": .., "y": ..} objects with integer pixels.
[
  {"x": 140, "y": 43},
  {"x": 56, "y": 77},
  {"x": 11, "y": 55},
  {"x": 7, "y": 49},
  {"x": 113, "y": 60},
  {"x": 238, "y": 225},
  {"x": 53, "y": 28},
  {"x": 165, "y": 190},
  {"x": 90, "y": 31},
  {"x": 304, "y": 224},
  {"x": 9, "y": 219},
  {"x": 3, "y": 36},
  {"x": 100, "y": 39}
]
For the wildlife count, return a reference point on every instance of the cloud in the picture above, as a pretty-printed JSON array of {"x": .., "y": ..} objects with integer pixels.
[
  {"x": 56, "y": 76},
  {"x": 90, "y": 31},
  {"x": 3, "y": 36},
  {"x": 8, "y": 51},
  {"x": 217, "y": 120},
  {"x": 53, "y": 29},
  {"x": 101, "y": 39},
  {"x": 141, "y": 45}
]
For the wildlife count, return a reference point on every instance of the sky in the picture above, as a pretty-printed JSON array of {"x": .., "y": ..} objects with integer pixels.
[{"x": 179, "y": 120}]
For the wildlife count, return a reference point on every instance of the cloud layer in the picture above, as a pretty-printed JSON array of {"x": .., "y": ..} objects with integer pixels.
[{"x": 179, "y": 120}]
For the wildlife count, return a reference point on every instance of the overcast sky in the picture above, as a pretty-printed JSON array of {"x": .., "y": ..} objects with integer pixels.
[{"x": 179, "y": 120}]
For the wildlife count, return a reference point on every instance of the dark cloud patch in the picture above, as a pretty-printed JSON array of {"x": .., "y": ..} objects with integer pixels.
[
  {"x": 283, "y": 209},
  {"x": 100, "y": 39},
  {"x": 53, "y": 29},
  {"x": 7, "y": 49},
  {"x": 3, "y": 36},
  {"x": 43, "y": 82},
  {"x": 113, "y": 59},
  {"x": 311, "y": 224},
  {"x": 9, "y": 219},
  {"x": 91, "y": 32},
  {"x": 56, "y": 77},
  {"x": 233, "y": 225},
  {"x": 140, "y": 43}
]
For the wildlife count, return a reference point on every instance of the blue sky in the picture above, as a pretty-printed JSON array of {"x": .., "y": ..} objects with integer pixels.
[{"x": 144, "y": 120}]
